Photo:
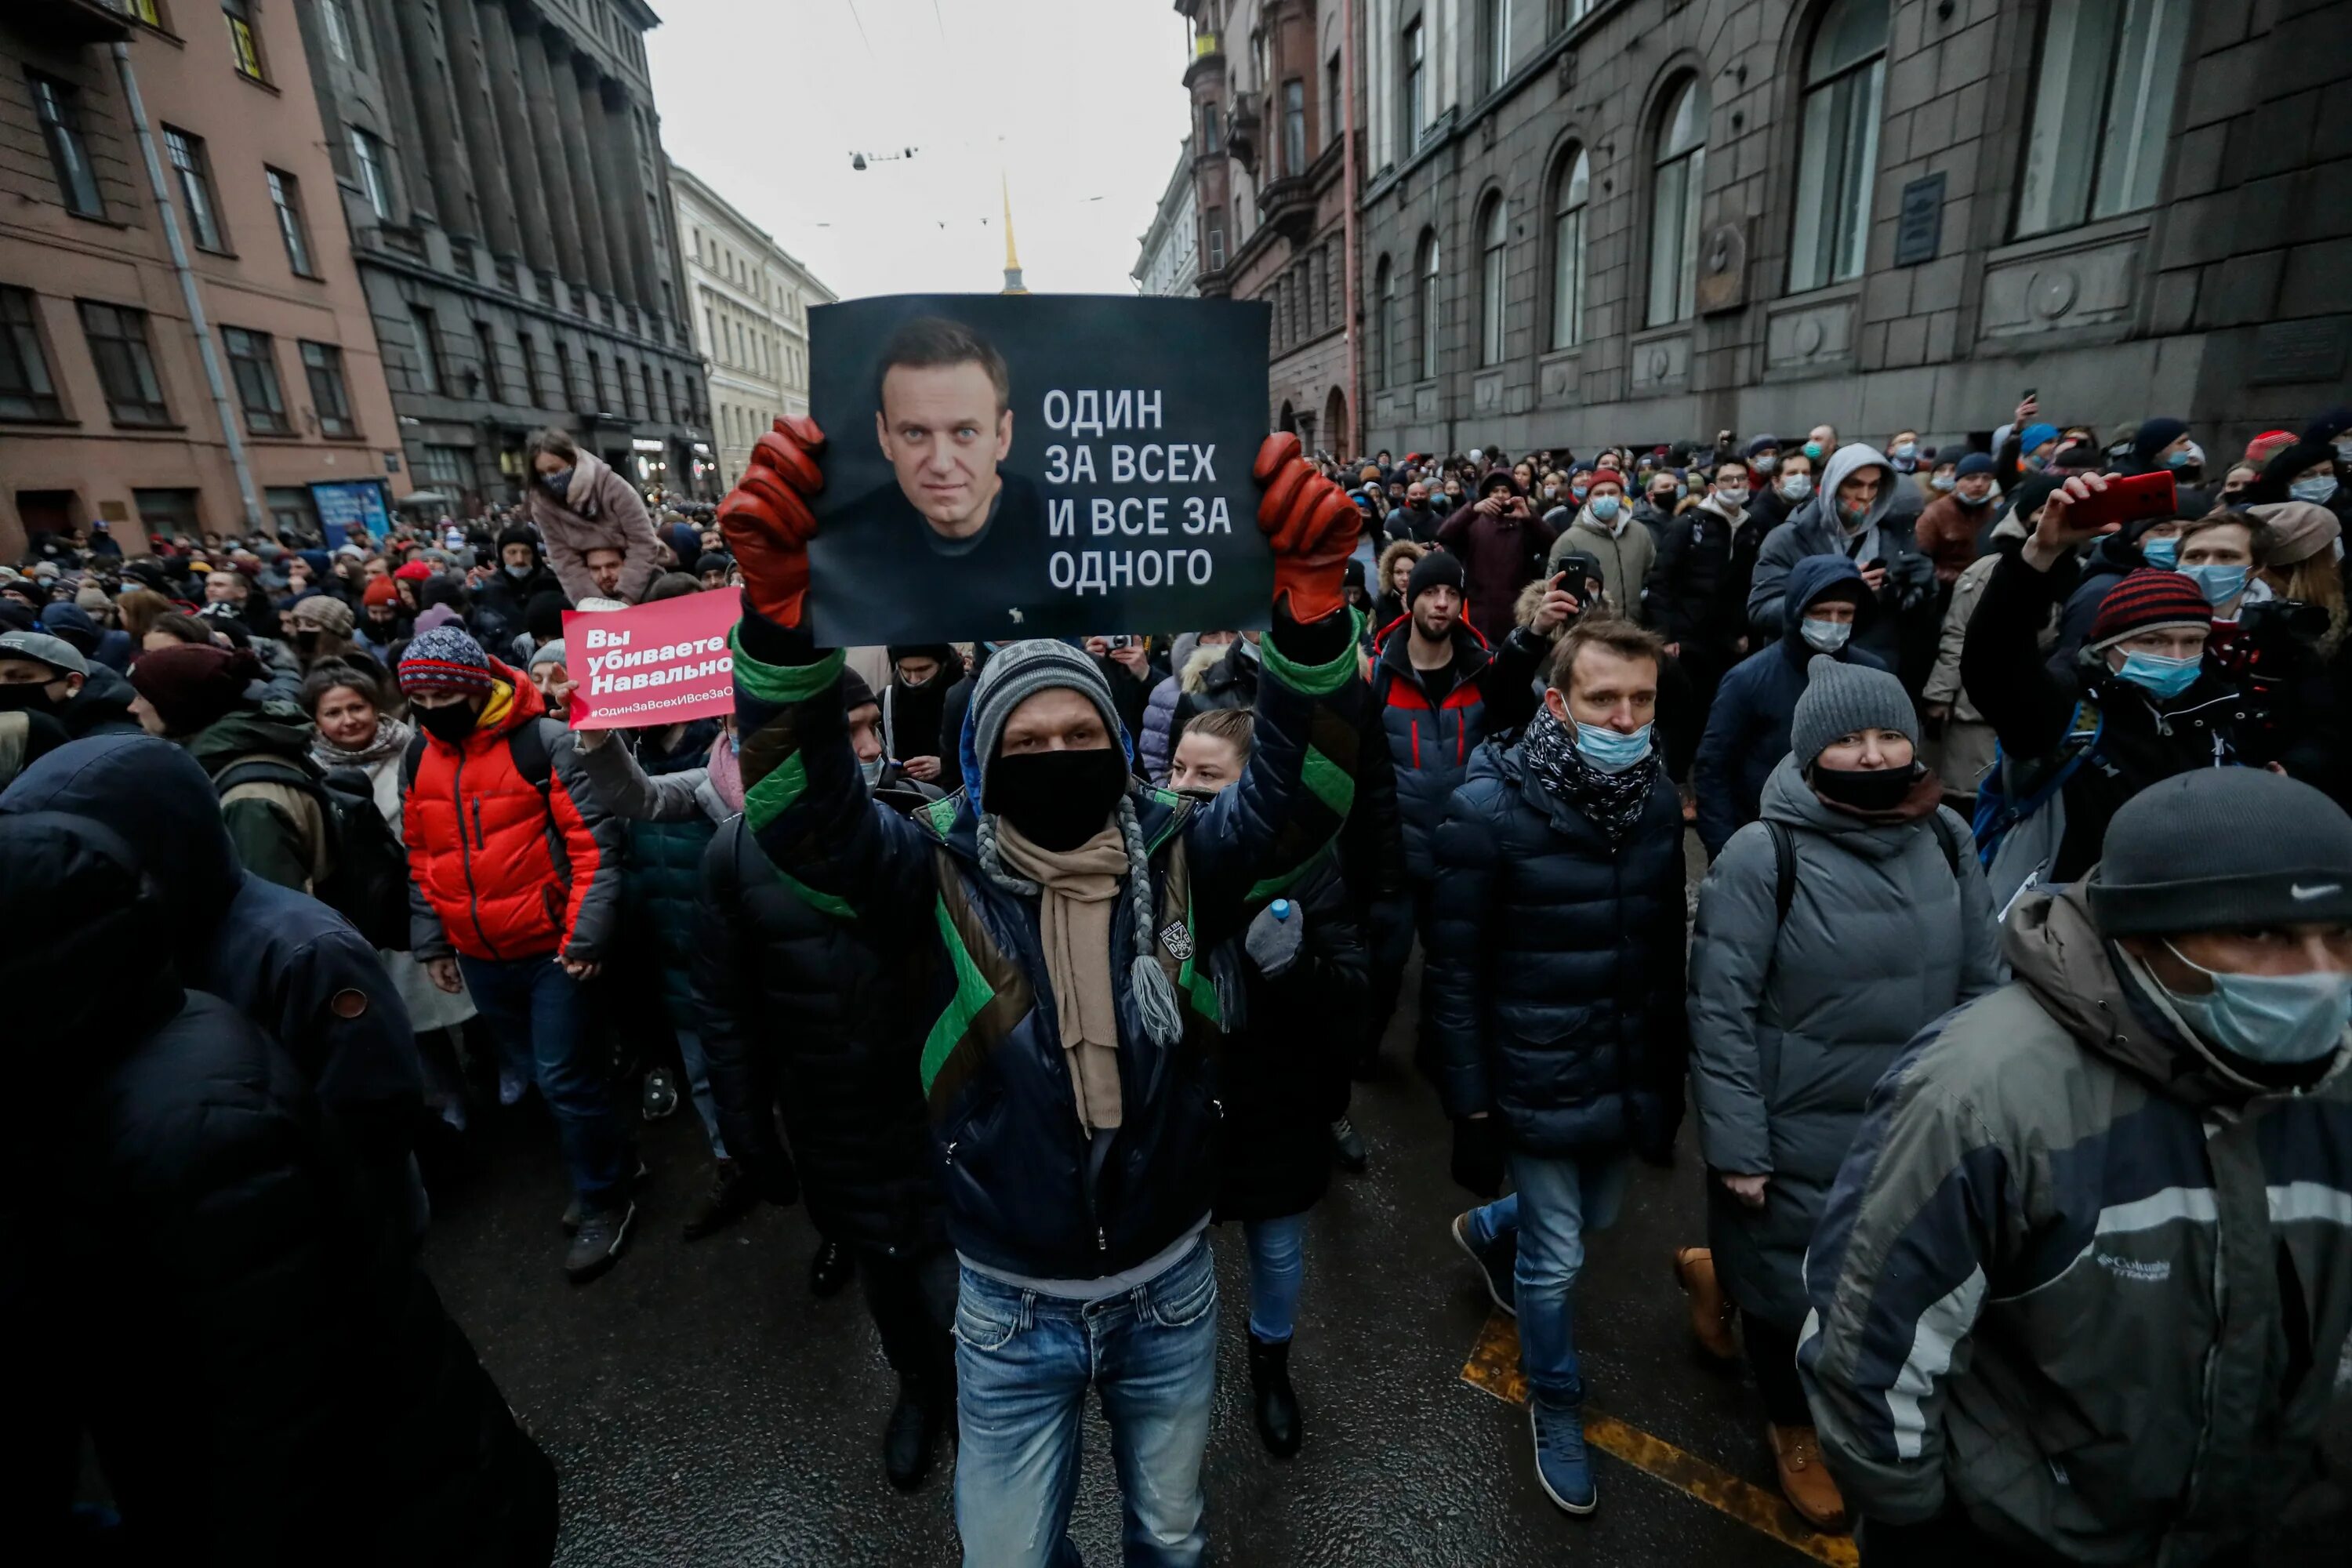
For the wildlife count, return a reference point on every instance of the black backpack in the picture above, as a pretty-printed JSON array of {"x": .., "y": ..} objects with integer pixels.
[
  {"x": 1784, "y": 858},
  {"x": 367, "y": 869}
]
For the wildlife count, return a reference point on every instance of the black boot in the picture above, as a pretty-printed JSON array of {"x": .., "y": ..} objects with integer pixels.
[
  {"x": 832, "y": 1270},
  {"x": 729, "y": 1199},
  {"x": 1277, "y": 1403},
  {"x": 911, "y": 1437}
]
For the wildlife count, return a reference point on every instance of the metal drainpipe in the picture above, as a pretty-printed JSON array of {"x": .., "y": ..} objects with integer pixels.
[
  {"x": 1353, "y": 447},
  {"x": 188, "y": 292}
]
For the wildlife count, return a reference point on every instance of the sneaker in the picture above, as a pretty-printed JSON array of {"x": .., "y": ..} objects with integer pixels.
[
  {"x": 1804, "y": 1481},
  {"x": 910, "y": 1437},
  {"x": 1348, "y": 1146},
  {"x": 660, "y": 1094},
  {"x": 1710, "y": 1310},
  {"x": 636, "y": 1184},
  {"x": 1497, "y": 1263},
  {"x": 729, "y": 1198},
  {"x": 832, "y": 1270},
  {"x": 511, "y": 1087},
  {"x": 597, "y": 1245},
  {"x": 1563, "y": 1467}
]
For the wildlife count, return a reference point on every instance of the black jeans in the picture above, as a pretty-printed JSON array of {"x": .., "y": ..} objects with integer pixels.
[
  {"x": 1395, "y": 921},
  {"x": 1772, "y": 1356},
  {"x": 913, "y": 1302}
]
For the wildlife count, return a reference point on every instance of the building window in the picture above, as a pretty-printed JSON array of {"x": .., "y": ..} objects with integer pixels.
[
  {"x": 1413, "y": 100},
  {"x": 126, "y": 364},
  {"x": 58, "y": 105},
  {"x": 529, "y": 350},
  {"x": 425, "y": 330},
  {"x": 253, "y": 366},
  {"x": 1845, "y": 74},
  {"x": 485, "y": 350},
  {"x": 335, "y": 21},
  {"x": 26, "y": 390},
  {"x": 1293, "y": 127},
  {"x": 670, "y": 410},
  {"x": 596, "y": 382},
  {"x": 1677, "y": 184},
  {"x": 1566, "y": 13},
  {"x": 1569, "y": 195},
  {"x": 1215, "y": 245},
  {"x": 367, "y": 161},
  {"x": 243, "y": 47},
  {"x": 446, "y": 466},
  {"x": 1209, "y": 128},
  {"x": 1384, "y": 324},
  {"x": 1494, "y": 33},
  {"x": 192, "y": 169},
  {"x": 322, "y": 367},
  {"x": 569, "y": 369},
  {"x": 1494, "y": 233},
  {"x": 2102, "y": 110},
  {"x": 285, "y": 197},
  {"x": 141, "y": 11},
  {"x": 1331, "y": 108},
  {"x": 1425, "y": 366}
]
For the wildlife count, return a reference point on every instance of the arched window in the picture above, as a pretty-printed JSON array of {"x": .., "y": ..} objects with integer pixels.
[
  {"x": 1572, "y": 188},
  {"x": 1675, "y": 187},
  {"x": 1427, "y": 366},
  {"x": 1846, "y": 73},
  {"x": 2102, "y": 110},
  {"x": 1384, "y": 324},
  {"x": 1493, "y": 233}
]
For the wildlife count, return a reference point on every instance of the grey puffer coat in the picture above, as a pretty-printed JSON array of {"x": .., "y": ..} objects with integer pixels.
[{"x": 1790, "y": 1029}]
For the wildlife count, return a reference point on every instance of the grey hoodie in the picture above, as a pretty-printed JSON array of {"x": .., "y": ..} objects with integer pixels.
[{"x": 1814, "y": 529}]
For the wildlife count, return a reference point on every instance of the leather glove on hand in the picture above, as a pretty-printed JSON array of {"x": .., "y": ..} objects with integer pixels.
[
  {"x": 1478, "y": 1156},
  {"x": 1313, "y": 527},
  {"x": 767, "y": 520}
]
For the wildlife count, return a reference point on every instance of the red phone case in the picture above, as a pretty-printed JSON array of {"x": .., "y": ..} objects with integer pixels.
[{"x": 2126, "y": 500}]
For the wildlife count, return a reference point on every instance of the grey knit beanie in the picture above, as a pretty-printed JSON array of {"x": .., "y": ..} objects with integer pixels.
[
  {"x": 2224, "y": 849},
  {"x": 1017, "y": 672},
  {"x": 1841, "y": 698}
]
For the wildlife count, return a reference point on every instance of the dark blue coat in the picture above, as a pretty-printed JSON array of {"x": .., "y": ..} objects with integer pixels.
[
  {"x": 1748, "y": 729},
  {"x": 1429, "y": 742},
  {"x": 661, "y": 875},
  {"x": 1555, "y": 975}
]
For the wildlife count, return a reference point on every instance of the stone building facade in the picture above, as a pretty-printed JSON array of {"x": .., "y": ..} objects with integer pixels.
[
  {"x": 1594, "y": 220},
  {"x": 509, "y": 203},
  {"x": 1267, "y": 81},
  {"x": 115, "y": 406},
  {"x": 748, "y": 302},
  {"x": 1168, "y": 253}
]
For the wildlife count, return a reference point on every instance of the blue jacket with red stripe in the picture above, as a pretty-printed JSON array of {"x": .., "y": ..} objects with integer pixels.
[{"x": 1432, "y": 739}]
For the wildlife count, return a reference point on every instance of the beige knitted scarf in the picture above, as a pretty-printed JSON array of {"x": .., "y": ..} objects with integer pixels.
[{"x": 1080, "y": 894}]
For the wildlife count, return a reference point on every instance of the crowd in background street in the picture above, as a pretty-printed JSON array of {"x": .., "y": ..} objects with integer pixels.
[{"x": 2012, "y": 1005}]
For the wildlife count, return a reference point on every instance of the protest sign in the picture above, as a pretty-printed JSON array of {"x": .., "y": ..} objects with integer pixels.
[
  {"x": 1013, "y": 465},
  {"x": 651, "y": 664}
]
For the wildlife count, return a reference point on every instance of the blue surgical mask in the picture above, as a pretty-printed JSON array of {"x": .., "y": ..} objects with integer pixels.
[
  {"x": 1796, "y": 487},
  {"x": 1609, "y": 751},
  {"x": 2161, "y": 677},
  {"x": 2180, "y": 459},
  {"x": 2271, "y": 1018},
  {"x": 1943, "y": 482},
  {"x": 1765, "y": 463},
  {"x": 1604, "y": 508},
  {"x": 2218, "y": 583},
  {"x": 1813, "y": 451},
  {"x": 2314, "y": 491},
  {"x": 1905, "y": 450},
  {"x": 873, "y": 771},
  {"x": 1984, "y": 500},
  {"x": 2164, "y": 552},
  {"x": 1825, "y": 636}
]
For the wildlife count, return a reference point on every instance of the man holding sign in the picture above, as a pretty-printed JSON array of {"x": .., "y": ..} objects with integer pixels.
[{"x": 1076, "y": 929}]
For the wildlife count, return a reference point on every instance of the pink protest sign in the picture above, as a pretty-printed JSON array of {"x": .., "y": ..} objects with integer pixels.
[{"x": 651, "y": 664}]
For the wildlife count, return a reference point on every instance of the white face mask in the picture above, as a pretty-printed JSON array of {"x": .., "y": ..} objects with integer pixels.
[
  {"x": 1732, "y": 496},
  {"x": 1825, "y": 636},
  {"x": 1796, "y": 487}
]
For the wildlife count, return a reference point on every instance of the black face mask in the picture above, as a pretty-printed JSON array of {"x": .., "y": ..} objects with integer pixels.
[
  {"x": 449, "y": 724},
  {"x": 305, "y": 638},
  {"x": 1859, "y": 789},
  {"x": 29, "y": 695},
  {"x": 1057, "y": 799}
]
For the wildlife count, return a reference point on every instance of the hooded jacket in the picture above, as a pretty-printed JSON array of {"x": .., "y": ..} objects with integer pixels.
[
  {"x": 1793, "y": 1021},
  {"x": 1499, "y": 556},
  {"x": 1431, "y": 740},
  {"x": 599, "y": 509},
  {"x": 1747, "y": 731},
  {"x": 1555, "y": 969},
  {"x": 102, "y": 705},
  {"x": 2079, "y": 1279},
  {"x": 499, "y": 869},
  {"x": 1813, "y": 529},
  {"x": 278, "y": 827},
  {"x": 1625, "y": 556}
]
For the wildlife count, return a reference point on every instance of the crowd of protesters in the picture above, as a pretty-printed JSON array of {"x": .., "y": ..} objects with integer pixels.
[{"x": 2012, "y": 1005}]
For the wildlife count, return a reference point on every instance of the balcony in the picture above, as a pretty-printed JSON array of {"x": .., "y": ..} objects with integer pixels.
[{"x": 1288, "y": 206}]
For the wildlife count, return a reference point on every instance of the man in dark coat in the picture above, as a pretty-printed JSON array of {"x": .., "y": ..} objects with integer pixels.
[
  {"x": 1852, "y": 514},
  {"x": 1556, "y": 986},
  {"x": 49, "y": 674},
  {"x": 1501, "y": 545},
  {"x": 221, "y": 1300},
  {"x": 501, "y": 603}
]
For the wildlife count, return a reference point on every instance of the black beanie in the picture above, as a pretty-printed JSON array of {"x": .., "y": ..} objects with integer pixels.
[
  {"x": 854, "y": 692},
  {"x": 1435, "y": 570},
  {"x": 714, "y": 561},
  {"x": 519, "y": 533}
]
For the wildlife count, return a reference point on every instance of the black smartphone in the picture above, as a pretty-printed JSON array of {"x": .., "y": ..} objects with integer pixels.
[{"x": 2032, "y": 395}]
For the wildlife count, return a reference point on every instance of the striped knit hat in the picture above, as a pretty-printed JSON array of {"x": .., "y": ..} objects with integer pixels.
[
  {"x": 446, "y": 659},
  {"x": 2146, "y": 601}
]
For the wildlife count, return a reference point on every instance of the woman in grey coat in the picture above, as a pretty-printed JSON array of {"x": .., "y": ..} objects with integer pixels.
[{"x": 1828, "y": 934}]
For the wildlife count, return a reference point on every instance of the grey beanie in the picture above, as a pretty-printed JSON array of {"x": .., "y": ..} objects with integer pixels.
[
  {"x": 1840, "y": 699},
  {"x": 1017, "y": 672},
  {"x": 2224, "y": 849},
  {"x": 549, "y": 652}
]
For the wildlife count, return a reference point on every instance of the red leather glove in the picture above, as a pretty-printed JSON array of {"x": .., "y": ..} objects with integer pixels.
[
  {"x": 767, "y": 520},
  {"x": 1313, "y": 527}
]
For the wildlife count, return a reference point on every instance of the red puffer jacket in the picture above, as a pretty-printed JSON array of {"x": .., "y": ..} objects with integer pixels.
[{"x": 498, "y": 867}]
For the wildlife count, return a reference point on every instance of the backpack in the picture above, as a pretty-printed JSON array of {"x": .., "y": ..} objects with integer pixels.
[
  {"x": 2020, "y": 811},
  {"x": 1784, "y": 859},
  {"x": 367, "y": 868}
]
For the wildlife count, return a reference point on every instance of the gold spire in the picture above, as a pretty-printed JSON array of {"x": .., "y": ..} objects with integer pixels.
[{"x": 1012, "y": 257}]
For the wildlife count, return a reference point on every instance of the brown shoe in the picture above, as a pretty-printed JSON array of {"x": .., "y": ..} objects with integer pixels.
[
  {"x": 1805, "y": 1481},
  {"x": 1710, "y": 1313}
]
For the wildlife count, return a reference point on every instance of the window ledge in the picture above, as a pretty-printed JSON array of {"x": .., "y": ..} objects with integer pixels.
[
  {"x": 263, "y": 83},
  {"x": 2079, "y": 238},
  {"x": 163, "y": 427},
  {"x": 62, "y": 422},
  {"x": 1827, "y": 294}
]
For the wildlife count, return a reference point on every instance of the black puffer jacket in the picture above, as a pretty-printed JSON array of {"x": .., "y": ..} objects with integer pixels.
[
  {"x": 266, "y": 1376},
  {"x": 1698, "y": 591},
  {"x": 799, "y": 1013},
  {"x": 1491, "y": 693},
  {"x": 1231, "y": 682},
  {"x": 1556, "y": 966}
]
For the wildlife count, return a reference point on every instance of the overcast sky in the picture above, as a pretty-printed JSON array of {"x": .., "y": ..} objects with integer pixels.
[{"x": 1080, "y": 103}]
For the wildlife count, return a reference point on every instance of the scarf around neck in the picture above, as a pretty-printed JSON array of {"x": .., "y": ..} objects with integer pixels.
[
  {"x": 1612, "y": 802},
  {"x": 391, "y": 738},
  {"x": 1078, "y": 897}
]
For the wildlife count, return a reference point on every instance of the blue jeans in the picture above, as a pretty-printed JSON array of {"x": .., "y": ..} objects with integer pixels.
[
  {"x": 1554, "y": 1203},
  {"x": 1278, "y": 1260},
  {"x": 1024, "y": 1362},
  {"x": 698, "y": 1084},
  {"x": 532, "y": 1004}
]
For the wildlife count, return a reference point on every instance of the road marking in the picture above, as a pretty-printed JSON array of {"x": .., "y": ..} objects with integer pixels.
[{"x": 1494, "y": 1367}]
